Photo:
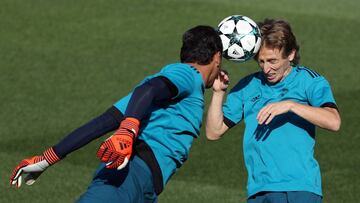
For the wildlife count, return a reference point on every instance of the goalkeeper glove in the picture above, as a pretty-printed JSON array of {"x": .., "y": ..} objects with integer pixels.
[
  {"x": 32, "y": 168},
  {"x": 117, "y": 149}
]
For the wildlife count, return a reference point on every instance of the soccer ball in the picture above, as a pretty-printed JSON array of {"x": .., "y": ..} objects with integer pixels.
[{"x": 240, "y": 36}]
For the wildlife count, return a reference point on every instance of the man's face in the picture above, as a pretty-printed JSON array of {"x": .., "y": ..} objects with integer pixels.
[{"x": 274, "y": 66}]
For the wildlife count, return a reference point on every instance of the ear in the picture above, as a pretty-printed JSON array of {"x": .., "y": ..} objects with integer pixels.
[
  {"x": 292, "y": 55},
  {"x": 217, "y": 58}
]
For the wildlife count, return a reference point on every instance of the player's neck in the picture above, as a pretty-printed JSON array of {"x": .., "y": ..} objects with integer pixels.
[{"x": 286, "y": 73}]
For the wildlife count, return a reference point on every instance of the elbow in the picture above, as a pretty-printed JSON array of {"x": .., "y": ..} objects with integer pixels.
[
  {"x": 333, "y": 121},
  {"x": 212, "y": 135},
  {"x": 214, "y": 131},
  {"x": 335, "y": 126}
]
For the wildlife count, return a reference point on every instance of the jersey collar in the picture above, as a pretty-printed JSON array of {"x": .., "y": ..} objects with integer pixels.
[{"x": 199, "y": 74}]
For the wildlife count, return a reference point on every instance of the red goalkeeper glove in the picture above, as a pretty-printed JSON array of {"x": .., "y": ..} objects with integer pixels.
[
  {"x": 32, "y": 168},
  {"x": 117, "y": 149}
]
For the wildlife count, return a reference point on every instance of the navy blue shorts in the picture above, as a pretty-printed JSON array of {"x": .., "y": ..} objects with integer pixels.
[
  {"x": 131, "y": 184},
  {"x": 285, "y": 197}
]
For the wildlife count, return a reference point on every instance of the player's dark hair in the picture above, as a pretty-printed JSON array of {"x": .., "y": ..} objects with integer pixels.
[
  {"x": 277, "y": 33},
  {"x": 200, "y": 44}
]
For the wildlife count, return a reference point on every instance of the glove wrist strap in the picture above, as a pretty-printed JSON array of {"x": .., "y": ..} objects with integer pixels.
[
  {"x": 131, "y": 124},
  {"x": 50, "y": 156}
]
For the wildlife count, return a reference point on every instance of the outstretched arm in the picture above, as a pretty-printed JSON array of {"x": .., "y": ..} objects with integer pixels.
[
  {"x": 31, "y": 168},
  {"x": 90, "y": 131},
  {"x": 142, "y": 98}
]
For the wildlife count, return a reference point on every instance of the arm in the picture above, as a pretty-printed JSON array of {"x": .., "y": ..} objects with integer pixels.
[
  {"x": 31, "y": 168},
  {"x": 321, "y": 111},
  {"x": 158, "y": 89},
  {"x": 145, "y": 94},
  {"x": 140, "y": 101},
  {"x": 324, "y": 117},
  {"x": 215, "y": 126},
  {"x": 116, "y": 151},
  {"x": 90, "y": 131}
]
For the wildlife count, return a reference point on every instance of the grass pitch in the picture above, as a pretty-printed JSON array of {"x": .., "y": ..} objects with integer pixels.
[{"x": 64, "y": 62}]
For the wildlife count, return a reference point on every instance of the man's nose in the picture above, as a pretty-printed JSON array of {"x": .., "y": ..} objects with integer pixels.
[{"x": 267, "y": 68}]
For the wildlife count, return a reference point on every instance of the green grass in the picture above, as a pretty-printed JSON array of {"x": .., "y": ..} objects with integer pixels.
[{"x": 63, "y": 62}]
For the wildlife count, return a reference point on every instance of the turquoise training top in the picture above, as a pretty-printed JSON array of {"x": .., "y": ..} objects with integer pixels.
[
  {"x": 169, "y": 129},
  {"x": 279, "y": 156}
]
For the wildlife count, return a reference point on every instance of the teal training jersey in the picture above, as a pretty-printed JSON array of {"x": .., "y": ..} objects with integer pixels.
[
  {"x": 169, "y": 129},
  {"x": 279, "y": 156}
]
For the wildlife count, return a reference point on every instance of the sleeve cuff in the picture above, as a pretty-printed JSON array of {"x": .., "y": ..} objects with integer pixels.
[
  {"x": 229, "y": 123},
  {"x": 330, "y": 105}
]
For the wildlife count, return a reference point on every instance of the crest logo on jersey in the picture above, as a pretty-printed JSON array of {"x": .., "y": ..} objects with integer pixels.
[{"x": 256, "y": 98}]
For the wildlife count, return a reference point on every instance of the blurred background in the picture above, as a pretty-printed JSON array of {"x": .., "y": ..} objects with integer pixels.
[{"x": 64, "y": 62}]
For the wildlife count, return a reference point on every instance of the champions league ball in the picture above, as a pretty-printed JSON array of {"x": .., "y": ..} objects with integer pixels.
[{"x": 240, "y": 36}]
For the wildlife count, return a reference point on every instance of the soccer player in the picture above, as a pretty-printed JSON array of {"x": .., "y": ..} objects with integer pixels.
[
  {"x": 280, "y": 105},
  {"x": 155, "y": 126}
]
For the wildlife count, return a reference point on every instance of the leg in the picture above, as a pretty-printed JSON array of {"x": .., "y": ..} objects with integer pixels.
[
  {"x": 268, "y": 197},
  {"x": 303, "y": 196},
  {"x": 131, "y": 184}
]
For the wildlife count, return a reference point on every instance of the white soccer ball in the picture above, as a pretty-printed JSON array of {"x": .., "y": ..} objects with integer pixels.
[{"x": 240, "y": 36}]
